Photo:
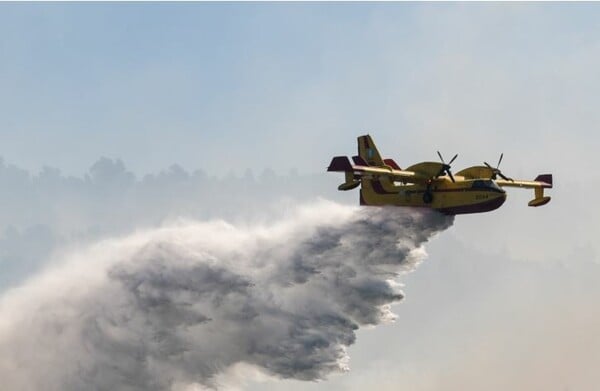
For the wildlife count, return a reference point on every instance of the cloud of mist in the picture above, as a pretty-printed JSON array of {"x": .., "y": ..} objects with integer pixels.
[
  {"x": 44, "y": 212},
  {"x": 182, "y": 303}
]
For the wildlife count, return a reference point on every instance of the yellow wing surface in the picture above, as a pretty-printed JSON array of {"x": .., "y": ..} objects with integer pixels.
[
  {"x": 540, "y": 183},
  {"x": 355, "y": 172}
]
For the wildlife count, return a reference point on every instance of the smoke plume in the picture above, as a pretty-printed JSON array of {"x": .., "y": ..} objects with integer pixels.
[{"x": 180, "y": 304}]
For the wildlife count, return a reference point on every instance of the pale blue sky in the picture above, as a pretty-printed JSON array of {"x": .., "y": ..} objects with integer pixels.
[{"x": 219, "y": 86}]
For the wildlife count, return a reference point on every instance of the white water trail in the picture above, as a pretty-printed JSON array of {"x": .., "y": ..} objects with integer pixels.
[{"x": 183, "y": 303}]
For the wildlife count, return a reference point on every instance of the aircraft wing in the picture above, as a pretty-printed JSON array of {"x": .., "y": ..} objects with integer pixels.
[
  {"x": 342, "y": 164},
  {"x": 398, "y": 175},
  {"x": 538, "y": 184},
  {"x": 543, "y": 181}
]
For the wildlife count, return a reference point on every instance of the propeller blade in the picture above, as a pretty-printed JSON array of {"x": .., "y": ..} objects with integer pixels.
[
  {"x": 455, "y": 156},
  {"x": 451, "y": 176},
  {"x": 446, "y": 166},
  {"x": 496, "y": 171}
]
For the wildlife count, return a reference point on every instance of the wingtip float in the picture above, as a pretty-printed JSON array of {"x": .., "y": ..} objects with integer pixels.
[{"x": 474, "y": 189}]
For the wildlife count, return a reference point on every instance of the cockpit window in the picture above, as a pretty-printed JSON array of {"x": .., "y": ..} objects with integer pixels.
[
  {"x": 485, "y": 184},
  {"x": 482, "y": 184},
  {"x": 494, "y": 185}
]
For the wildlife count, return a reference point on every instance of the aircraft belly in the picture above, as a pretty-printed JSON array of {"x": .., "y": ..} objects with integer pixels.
[
  {"x": 476, "y": 202},
  {"x": 448, "y": 200},
  {"x": 460, "y": 197}
]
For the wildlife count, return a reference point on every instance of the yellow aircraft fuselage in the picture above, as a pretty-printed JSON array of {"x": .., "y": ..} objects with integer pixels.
[{"x": 462, "y": 196}]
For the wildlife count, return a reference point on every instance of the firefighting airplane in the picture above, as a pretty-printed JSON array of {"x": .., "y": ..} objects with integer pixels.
[{"x": 430, "y": 184}]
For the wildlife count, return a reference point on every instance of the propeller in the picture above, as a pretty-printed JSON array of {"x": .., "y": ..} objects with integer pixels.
[
  {"x": 446, "y": 166},
  {"x": 496, "y": 171}
]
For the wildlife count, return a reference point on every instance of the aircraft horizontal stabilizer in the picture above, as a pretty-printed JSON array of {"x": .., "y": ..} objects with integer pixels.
[{"x": 340, "y": 163}]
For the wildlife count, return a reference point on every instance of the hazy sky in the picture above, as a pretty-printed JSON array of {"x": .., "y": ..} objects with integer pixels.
[
  {"x": 219, "y": 86},
  {"x": 231, "y": 86},
  {"x": 227, "y": 87}
]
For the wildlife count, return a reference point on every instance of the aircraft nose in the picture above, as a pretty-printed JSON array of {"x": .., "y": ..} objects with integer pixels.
[
  {"x": 496, "y": 202},
  {"x": 500, "y": 199}
]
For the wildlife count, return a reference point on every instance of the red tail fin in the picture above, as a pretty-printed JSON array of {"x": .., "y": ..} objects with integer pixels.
[{"x": 392, "y": 163}]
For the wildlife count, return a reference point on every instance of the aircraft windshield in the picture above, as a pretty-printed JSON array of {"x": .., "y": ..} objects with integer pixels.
[{"x": 485, "y": 184}]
